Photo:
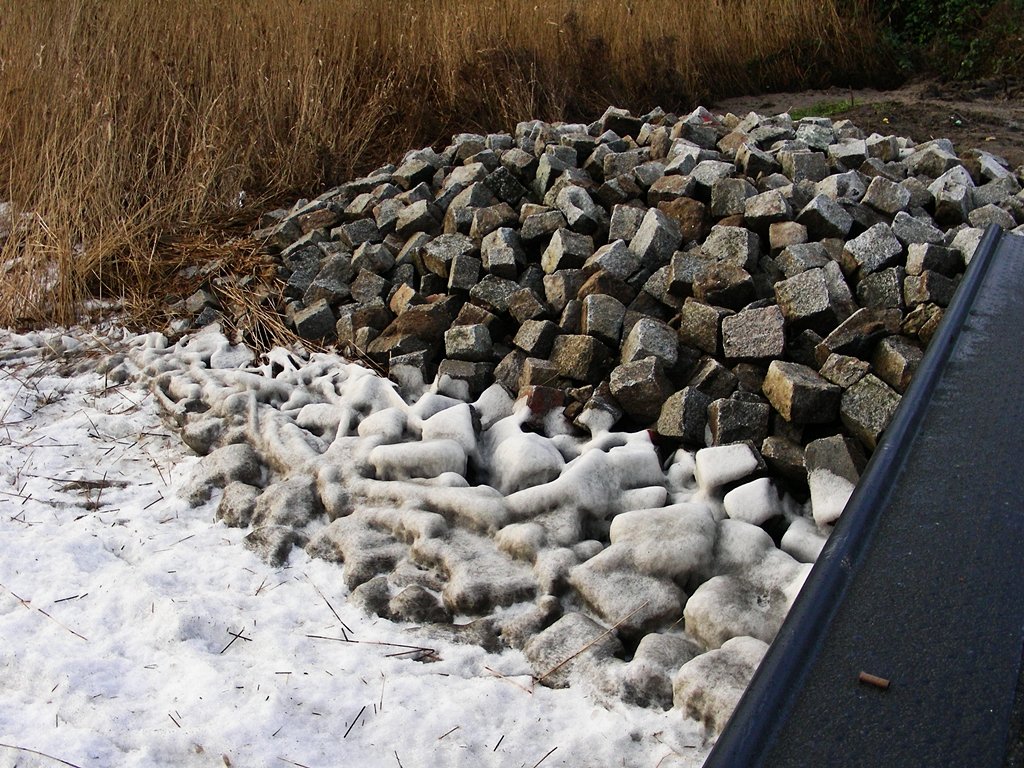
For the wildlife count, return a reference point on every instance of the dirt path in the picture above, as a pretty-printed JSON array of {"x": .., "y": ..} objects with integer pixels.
[{"x": 987, "y": 116}]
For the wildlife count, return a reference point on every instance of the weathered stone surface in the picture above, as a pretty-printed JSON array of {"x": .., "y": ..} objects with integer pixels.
[
  {"x": 684, "y": 416},
  {"x": 502, "y": 253},
  {"x": 873, "y": 250},
  {"x": 525, "y": 305},
  {"x": 910, "y": 229},
  {"x": 468, "y": 342},
  {"x": 624, "y": 223},
  {"x": 844, "y": 371},
  {"x": 833, "y": 468},
  {"x": 882, "y": 290},
  {"x": 548, "y": 652},
  {"x": 737, "y": 246},
  {"x": 858, "y": 333},
  {"x": 580, "y": 358},
  {"x": 656, "y": 239},
  {"x": 731, "y": 420},
  {"x": 709, "y": 687},
  {"x": 754, "y": 334},
  {"x": 535, "y": 337},
  {"x": 896, "y": 360},
  {"x": 886, "y": 197},
  {"x": 724, "y": 285},
  {"x": 690, "y": 215},
  {"x": 867, "y": 408},
  {"x": 806, "y": 301},
  {"x": 799, "y": 394},
  {"x": 928, "y": 288},
  {"x": 615, "y": 258},
  {"x": 641, "y": 387},
  {"x": 602, "y": 317},
  {"x": 464, "y": 379},
  {"x": 567, "y": 250},
  {"x": 700, "y": 326},
  {"x": 315, "y": 322},
  {"x": 494, "y": 291},
  {"x": 785, "y": 457},
  {"x": 824, "y": 217},
  {"x": 713, "y": 379},
  {"x": 650, "y": 337},
  {"x": 800, "y": 257}
]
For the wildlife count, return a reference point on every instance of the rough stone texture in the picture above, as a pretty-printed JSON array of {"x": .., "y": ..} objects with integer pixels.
[
  {"x": 734, "y": 421},
  {"x": 867, "y": 408},
  {"x": 656, "y": 239},
  {"x": 799, "y": 394},
  {"x": 875, "y": 249},
  {"x": 684, "y": 415},
  {"x": 649, "y": 337},
  {"x": 754, "y": 334},
  {"x": 602, "y": 317},
  {"x": 580, "y": 358},
  {"x": 641, "y": 387}
]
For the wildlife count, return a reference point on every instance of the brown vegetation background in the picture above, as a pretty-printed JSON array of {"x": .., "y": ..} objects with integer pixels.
[{"x": 128, "y": 129}]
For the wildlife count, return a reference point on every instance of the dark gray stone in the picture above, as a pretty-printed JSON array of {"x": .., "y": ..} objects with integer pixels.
[
  {"x": 886, "y": 197},
  {"x": 824, "y": 217},
  {"x": 713, "y": 379},
  {"x": 468, "y": 342},
  {"x": 502, "y": 253},
  {"x": 684, "y": 416},
  {"x": 535, "y": 337},
  {"x": 494, "y": 291},
  {"x": 799, "y": 394},
  {"x": 602, "y": 317},
  {"x": 734, "y": 421},
  {"x": 525, "y": 305},
  {"x": 464, "y": 379},
  {"x": 641, "y": 388},
  {"x": 867, "y": 408},
  {"x": 656, "y": 239},
  {"x": 567, "y": 250},
  {"x": 315, "y": 322},
  {"x": 857, "y": 334},
  {"x": 844, "y": 371},
  {"x": 700, "y": 326},
  {"x": 650, "y": 337},
  {"x": 928, "y": 288},
  {"x": 871, "y": 251}
]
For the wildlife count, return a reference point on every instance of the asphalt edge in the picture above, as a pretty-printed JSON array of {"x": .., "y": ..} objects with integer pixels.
[{"x": 768, "y": 699}]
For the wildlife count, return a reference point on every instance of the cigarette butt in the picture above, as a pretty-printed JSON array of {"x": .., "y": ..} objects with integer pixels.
[{"x": 875, "y": 680}]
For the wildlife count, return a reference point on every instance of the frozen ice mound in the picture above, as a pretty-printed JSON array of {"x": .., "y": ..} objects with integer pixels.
[{"x": 644, "y": 573}]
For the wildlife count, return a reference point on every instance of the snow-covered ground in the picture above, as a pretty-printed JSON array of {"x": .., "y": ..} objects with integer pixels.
[{"x": 135, "y": 630}]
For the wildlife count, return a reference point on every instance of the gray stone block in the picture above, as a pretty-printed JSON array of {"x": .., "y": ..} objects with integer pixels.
[
  {"x": 867, "y": 408},
  {"x": 737, "y": 246},
  {"x": 641, "y": 388},
  {"x": 684, "y": 416},
  {"x": 799, "y": 394},
  {"x": 580, "y": 358},
  {"x": 871, "y": 251},
  {"x": 754, "y": 334},
  {"x": 824, "y": 217},
  {"x": 896, "y": 360},
  {"x": 886, "y": 197},
  {"x": 857, "y": 334},
  {"x": 656, "y": 239},
  {"x": 928, "y": 288},
  {"x": 650, "y": 337},
  {"x": 733, "y": 420},
  {"x": 700, "y": 326},
  {"x": 535, "y": 337},
  {"x": 602, "y": 317},
  {"x": 567, "y": 250}
]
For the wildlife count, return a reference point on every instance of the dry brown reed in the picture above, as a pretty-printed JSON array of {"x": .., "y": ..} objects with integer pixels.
[{"x": 128, "y": 127}]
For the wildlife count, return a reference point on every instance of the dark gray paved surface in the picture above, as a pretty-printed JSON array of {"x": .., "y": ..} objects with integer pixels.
[{"x": 935, "y": 602}]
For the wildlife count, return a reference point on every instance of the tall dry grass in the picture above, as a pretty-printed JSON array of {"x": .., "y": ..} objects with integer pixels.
[{"x": 128, "y": 127}]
